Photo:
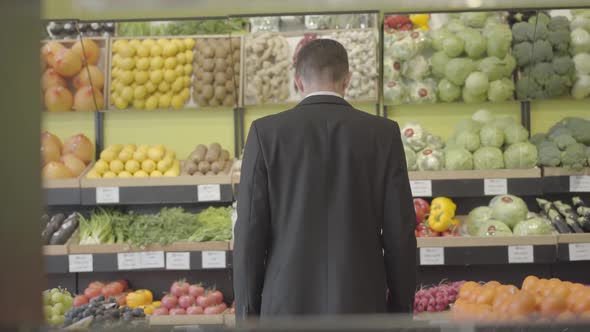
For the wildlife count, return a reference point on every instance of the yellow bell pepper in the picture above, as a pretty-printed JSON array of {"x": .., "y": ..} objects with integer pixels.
[
  {"x": 420, "y": 21},
  {"x": 156, "y": 304},
  {"x": 148, "y": 310},
  {"x": 442, "y": 213},
  {"x": 139, "y": 298}
]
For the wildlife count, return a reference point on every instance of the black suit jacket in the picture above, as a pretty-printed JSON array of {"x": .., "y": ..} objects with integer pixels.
[{"x": 325, "y": 215}]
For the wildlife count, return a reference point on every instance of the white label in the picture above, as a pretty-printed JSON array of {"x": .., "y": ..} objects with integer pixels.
[
  {"x": 579, "y": 251},
  {"x": 520, "y": 254},
  {"x": 209, "y": 192},
  {"x": 107, "y": 195},
  {"x": 80, "y": 263},
  {"x": 432, "y": 256},
  {"x": 152, "y": 260},
  {"x": 493, "y": 187},
  {"x": 213, "y": 259},
  {"x": 128, "y": 260},
  {"x": 421, "y": 188},
  {"x": 580, "y": 183},
  {"x": 178, "y": 261}
]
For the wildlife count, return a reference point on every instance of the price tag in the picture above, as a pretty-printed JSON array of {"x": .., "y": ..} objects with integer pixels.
[
  {"x": 432, "y": 256},
  {"x": 152, "y": 260},
  {"x": 579, "y": 251},
  {"x": 493, "y": 187},
  {"x": 213, "y": 259},
  {"x": 209, "y": 192},
  {"x": 80, "y": 263},
  {"x": 107, "y": 195},
  {"x": 421, "y": 188},
  {"x": 580, "y": 183},
  {"x": 128, "y": 261},
  {"x": 178, "y": 261},
  {"x": 520, "y": 254}
]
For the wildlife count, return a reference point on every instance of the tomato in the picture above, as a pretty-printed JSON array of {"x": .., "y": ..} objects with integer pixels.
[
  {"x": 582, "y": 304},
  {"x": 423, "y": 230},
  {"x": 160, "y": 312},
  {"x": 196, "y": 291},
  {"x": 216, "y": 309},
  {"x": 421, "y": 208},
  {"x": 186, "y": 301},
  {"x": 108, "y": 291},
  {"x": 92, "y": 292},
  {"x": 177, "y": 311},
  {"x": 80, "y": 300},
  {"x": 96, "y": 284},
  {"x": 123, "y": 283},
  {"x": 203, "y": 301},
  {"x": 169, "y": 301},
  {"x": 217, "y": 296},
  {"x": 194, "y": 310},
  {"x": 121, "y": 299},
  {"x": 116, "y": 287},
  {"x": 179, "y": 288}
]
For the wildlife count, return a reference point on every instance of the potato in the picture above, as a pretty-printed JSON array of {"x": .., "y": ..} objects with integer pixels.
[
  {"x": 204, "y": 166},
  {"x": 207, "y": 78},
  {"x": 228, "y": 166},
  {"x": 208, "y": 52},
  {"x": 229, "y": 86},
  {"x": 207, "y": 91},
  {"x": 210, "y": 173},
  {"x": 199, "y": 73},
  {"x": 199, "y": 60},
  {"x": 220, "y": 65},
  {"x": 229, "y": 71},
  {"x": 208, "y": 65},
  {"x": 217, "y": 166},
  {"x": 189, "y": 167},
  {"x": 214, "y": 102},
  {"x": 237, "y": 67},
  {"x": 201, "y": 100},
  {"x": 220, "y": 93},
  {"x": 224, "y": 155},
  {"x": 220, "y": 79},
  {"x": 236, "y": 55},
  {"x": 215, "y": 146},
  {"x": 198, "y": 174},
  {"x": 226, "y": 45},
  {"x": 198, "y": 86},
  {"x": 235, "y": 43},
  {"x": 220, "y": 52},
  {"x": 228, "y": 101}
]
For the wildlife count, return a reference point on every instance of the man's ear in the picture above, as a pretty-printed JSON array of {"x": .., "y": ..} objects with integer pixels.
[{"x": 299, "y": 84}]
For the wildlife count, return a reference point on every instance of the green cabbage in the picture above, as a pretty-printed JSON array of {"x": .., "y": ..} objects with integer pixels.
[
  {"x": 416, "y": 68},
  {"x": 493, "y": 227},
  {"x": 581, "y": 89},
  {"x": 483, "y": 116},
  {"x": 439, "y": 62},
  {"x": 453, "y": 46},
  {"x": 395, "y": 92},
  {"x": 582, "y": 63},
  {"x": 476, "y": 217},
  {"x": 468, "y": 125},
  {"x": 533, "y": 226},
  {"x": 448, "y": 91},
  {"x": 431, "y": 160},
  {"x": 501, "y": 90},
  {"x": 455, "y": 26},
  {"x": 491, "y": 135},
  {"x": 438, "y": 37},
  {"x": 477, "y": 83},
  {"x": 515, "y": 133},
  {"x": 521, "y": 155},
  {"x": 580, "y": 41},
  {"x": 499, "y": 40},
  {"x": 475, "y": 43},
  {"x": 410, "y": 158},
  {"x": 458, "y": 159},
  {"x": 509, "y": 209},
  {"x": 470, "y": 97},
  {"x": 458, "y": 69},
  {"x": 475, "y": 19},
  {"x": 488, "y": 158},
  {"x": 469, "y": 140}
]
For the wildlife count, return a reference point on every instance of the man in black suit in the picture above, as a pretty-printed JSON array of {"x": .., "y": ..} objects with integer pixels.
[{"x": 325, "y": 215}]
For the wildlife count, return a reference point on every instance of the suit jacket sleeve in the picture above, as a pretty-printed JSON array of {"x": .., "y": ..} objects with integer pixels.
[
  {"x": 251, "y": 231},
  {"x": 399, "y": 241}
]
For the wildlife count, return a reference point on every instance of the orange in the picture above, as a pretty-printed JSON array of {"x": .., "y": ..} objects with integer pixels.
[
  {"x": 486, "y": 295},
  {"x": 566, "y": 316},
  {"x": 524, "y": 303},
  {"x": 492, "y": 284},
  {"x": 465, "y": 291},
  {"x": 530, "y": 283},
  {"x": 560, "y": 291},
  {"x": 582, "y": 303},
  {"x": 552, "y": 306}
]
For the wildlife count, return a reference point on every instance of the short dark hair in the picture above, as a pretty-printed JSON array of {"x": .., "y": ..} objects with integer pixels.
[{"x": 322, "y": 59}]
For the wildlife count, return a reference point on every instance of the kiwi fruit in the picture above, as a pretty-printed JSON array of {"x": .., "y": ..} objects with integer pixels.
[
  {"x": 207, "y": 92},
  {"x": 207, "y": 78},
  {"x": 199, "y": 73},
  {"x": 220, "y": 52},
  {"x": 208, "y": 65},
  {"x": 229, "y": 86},
  {"x": 220, "y": 79},
  {"x": 220, "y": 93},
  {"x": 198, "y": 86},
  {"x": 208, "y": 51},
  {"x": 201, "y": 100},
  {"x": 214, "y": 103},
  {"x": 228, "y": 100},
  {"x": 236, "y": 55},
  {"x": 220, "y": 65}
]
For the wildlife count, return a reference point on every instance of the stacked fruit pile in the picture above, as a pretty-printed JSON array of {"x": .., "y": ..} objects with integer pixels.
[
  {"x": 56, "y": 303},
  {"x": 126, "y": 161},
  {"x": 537, "y": 299},
  {"x": 217, "y": 71},
  {"x": 436, "y": 219},
  {"x": 67, "y": 160},
  {"x": 78, "y": 65},
  {"x": 150, "y": 74},
  {"x": 436, "y": 298},
  {"x": 187, "y": 299},
  {"x": 205, "y": 160}
]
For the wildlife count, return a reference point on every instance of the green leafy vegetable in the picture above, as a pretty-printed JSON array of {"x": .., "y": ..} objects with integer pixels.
[{"x": 214, "y": 225}]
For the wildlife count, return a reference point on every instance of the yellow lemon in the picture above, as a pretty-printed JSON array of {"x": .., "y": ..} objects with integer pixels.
[
  {"x": 151, "y": 103},
  {"x": 121, "y": 103},
  {"x": 156, "y": 76},
  {"x": 140, "y": 174},
  {"x": 148, "y": 165},
  {"x": 156, "y": 174},
  {"x": 109, "y": 175},
  {"x": 127, "y": 63},
  {"x": 155, "y": 154},
  {"x": 156, "y": 50},
  {"x": 139, "y": 155},
  {"x": 101, "y": 166},
  {"x": 188, "y": 69},
  {"x": 142, "y": 51},
  {"x": 180, "y": 58},
  {"x": 130, "y": 147},
  {"x": 185, "y": 94},
  {"x": 132, "y": 166},
  {"x": 126, "y": 51},
  {"x": 179, "y": 44},
  {"x": 140, "y": 92},
  {"x": 170, "y": 155},
  {"x": 156, "y": 63},
  {"x": 164, "y": 165},
  {"x": 179, "y": 70},
  {"x": 127, "y": 93},
  {"x": 189, "y": 55},
  {"x": 125, "y": 155},
  {"x": 116, "y": 147},
  {"x": 118, "y": 43},
  {"x": 187, "y": 81},
  {"x": 139, "y": 104},
  {"x": 143, "y": 147},
  {"x": 92, "y": 175},
  {"x": 148, "y": 42},
  {"x": 170, "y": 63},
  {"x": 126, "y": 77},
  {"x": 169, "y": 49},
  {"x": 164, "y": 87},
  {"x": 165, "y": 99},
  {"x": 169, "y": 75},
  {"x": 116, "y": 166},
  {"x": 141, "y": 76},
  {"x": 134, "y": 43},
  {"x": 171, "y": 173},
  {"x": 178, "y": 84},
  {"x": 177, "y": 101},
  {"x": 150, "y": 87},
  {"x": 125, "y": 174},
  {"x": 189, "y": 43},
  {"x": 108, "y": 155},
  {"x": 162, "y": 41},
  {"x": 143, "y": 64}
]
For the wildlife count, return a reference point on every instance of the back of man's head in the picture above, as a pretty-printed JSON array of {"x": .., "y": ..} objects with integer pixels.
[{"x": 322, "y": 61}]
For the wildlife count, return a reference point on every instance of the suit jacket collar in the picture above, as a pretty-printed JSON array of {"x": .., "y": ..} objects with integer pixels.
[{"x": 323, "y": 99}]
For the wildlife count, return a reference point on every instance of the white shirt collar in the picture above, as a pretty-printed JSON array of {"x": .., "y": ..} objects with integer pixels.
[{"x": 323, "y": 93}]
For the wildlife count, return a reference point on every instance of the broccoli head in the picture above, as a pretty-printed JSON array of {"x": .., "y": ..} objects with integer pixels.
[
  {"x": 523, "y": 53},
  {"x": 549, "y": 154},
  {"x": 540, "y": 19},
  {"x": 523, "y": 31},
  {"x": 542, "y": 51},
  {"x": 563, "y": 141},
  {"x": 580, "y": 129},
  {"x": 574, "y": 156},
  {"x": 560, "y": 41},
  {"x": 558, "y": 129},
  {"x": 557, "y": 86},
  {"x": 564, "y": 65},
  {"x": 537, "y": 139},
  {"x": 559, "y": 23},
  {"x": 526, "y": 87},
  {"x": 542, "y": 72},
  {"x": 540, "y": 32}
]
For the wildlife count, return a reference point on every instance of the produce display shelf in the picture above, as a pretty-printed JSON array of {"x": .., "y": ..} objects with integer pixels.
[
  {"x": 466, "y": 250},
  {"x": 62, "y": 191},
  {"x": 122, "y": 257},
  {"x": 180, "y": 189},
  {"x": 573, "y": 247},
  {"x": 443, "y": 316},
  {"x": 476, "y": 183},
  {"x": 561, "y": 180},
  {"x": 180, "y": 320}
]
